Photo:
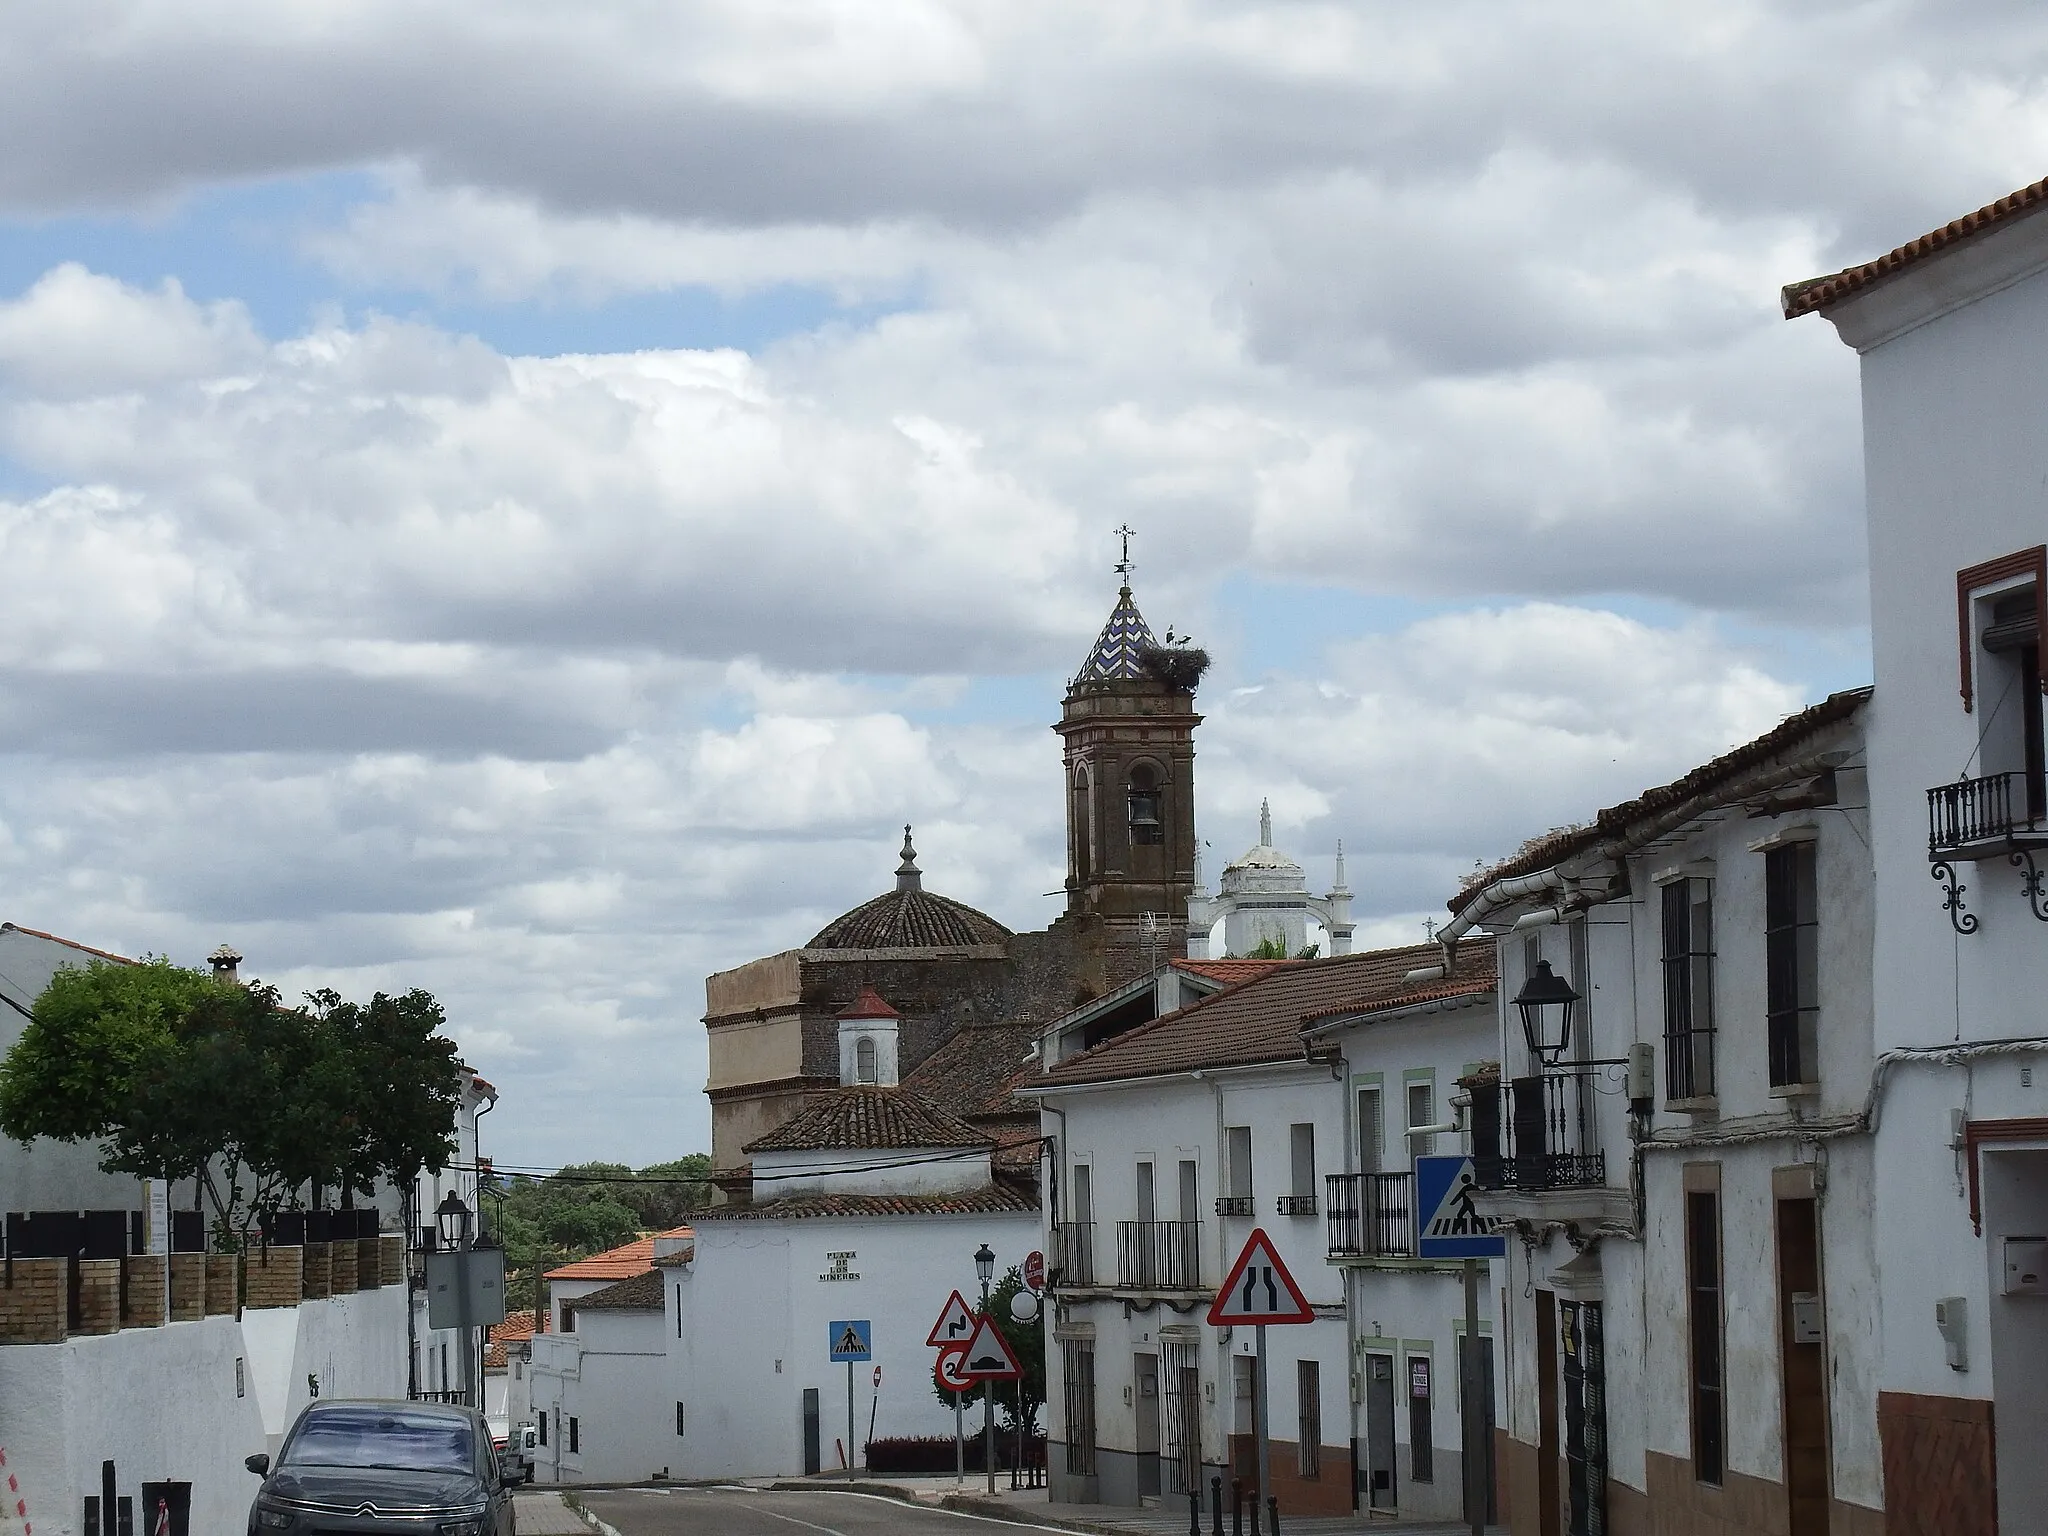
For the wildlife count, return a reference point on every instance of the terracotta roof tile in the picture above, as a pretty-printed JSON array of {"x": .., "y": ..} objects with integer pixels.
[
  {"x": 516, "y": 1329},
  {"x": 636, "y": 1293},
  {"x": 870, "y": 1117},
  {"x": 973, "y": 1073},
  {"x": 1615, "y": 821},
  {"x": 996, "y": 1198},
  {"x": 1251, "y": 1023},
  {"x": 620, "y": 1263},
  {"x": 1475, "y": 977},
  {"x": 1230, "y": 972},
  {"x": 87, "y": 949},
  {"x": 1817, "y": 293},
  {"x": 915, "y": 919}
]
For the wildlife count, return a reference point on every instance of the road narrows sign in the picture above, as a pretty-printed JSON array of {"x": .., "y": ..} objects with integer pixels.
[
  {"x": 988, "y": 1356},
  {"x": 1448, "y": 1224},
  {"x": 852, "y": 1339},
  {"x": 1259, "y": 1289},
  {"x": 955, "y": 1324}
]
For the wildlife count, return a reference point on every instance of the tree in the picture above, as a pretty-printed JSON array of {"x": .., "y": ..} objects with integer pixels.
[
  {"x": 1027, "y": 1343},
  {"x": 394, "y": 1084}
]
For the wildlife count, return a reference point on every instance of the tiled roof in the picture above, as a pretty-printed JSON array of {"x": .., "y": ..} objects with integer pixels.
[
  {"x": 992, "y": 1199},
  {"x": 870, "y": 1117},
  {"x": 1615, "y": 821},
  {"x": 1817, "y": 293},
  {"x": 636, "y": 1293},
  {"x": 972, "y": 1073},
  {"x": 1118, "y": 648},
  {"x": 1230, "y": 972},
  {"x": 868, "y": 1004},
  {"x": 516, "y": 1329},
  {"x": 1475, "y": 977},
  {"x": 620, "y": 1263},
  {"x": 86, "y": 949},
  {"x": 914, "y": 919},
  {"x": 1253, "y": 1022}
]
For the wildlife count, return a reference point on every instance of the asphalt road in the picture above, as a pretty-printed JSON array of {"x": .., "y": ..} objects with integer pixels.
[{"x": 747, "y": 1512}]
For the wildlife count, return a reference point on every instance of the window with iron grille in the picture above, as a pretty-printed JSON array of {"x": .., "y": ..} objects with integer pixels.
[
  {"x": 1689, "y": 989},
  {"x": 1703, "y": 1284},
  {"x": 1078, "y": 1369},
  {"x": 1421, "y": 1111},
  {"x": 1308, "y": 1438},
  {"x": 1792, "y": 964},
  {"x": 541, "y": 1422},
  {"x": 1368, "y": 1130},
  {"x": 575, "y": 1434},
  {"x": 1421, "y": 1433}
]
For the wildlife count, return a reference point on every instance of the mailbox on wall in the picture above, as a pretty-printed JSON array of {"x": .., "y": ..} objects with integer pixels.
[{"x": 2026, "y": 1266}]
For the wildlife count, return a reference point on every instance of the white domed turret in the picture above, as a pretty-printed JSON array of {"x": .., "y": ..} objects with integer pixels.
[{"x": 1263, "y": 901}]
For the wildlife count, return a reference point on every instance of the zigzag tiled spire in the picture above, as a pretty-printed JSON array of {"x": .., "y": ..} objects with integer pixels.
[{"x": 1115, "y": 657}]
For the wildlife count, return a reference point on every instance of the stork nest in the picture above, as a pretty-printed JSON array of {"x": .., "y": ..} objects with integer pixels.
[{"x": 1177, "y": 666}]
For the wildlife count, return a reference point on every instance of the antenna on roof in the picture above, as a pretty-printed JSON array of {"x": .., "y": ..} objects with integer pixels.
[{"x": 1123, "y": 566}]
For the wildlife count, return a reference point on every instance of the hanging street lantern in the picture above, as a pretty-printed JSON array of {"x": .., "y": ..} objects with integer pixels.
[
  {"x": 1546, "y": 1001},
  {"x": 452, "y": 1220}
]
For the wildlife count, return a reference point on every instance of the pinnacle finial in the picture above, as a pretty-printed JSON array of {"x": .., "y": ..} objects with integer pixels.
[
  {"x": 1123, "y": 567},
  {"x": 1265, "y": 824},
  {"x": 908, "y": 876}
]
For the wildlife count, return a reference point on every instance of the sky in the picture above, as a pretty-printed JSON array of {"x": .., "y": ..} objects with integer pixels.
[{"x": 526, "y": 500}]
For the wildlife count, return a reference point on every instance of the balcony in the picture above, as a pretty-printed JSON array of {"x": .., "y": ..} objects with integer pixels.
[
  {"x": 1371, "y": 1215},
  {"x": 1235, "y": 1205},
  {"x": 1986, "y": 817},
  {"x": 1159, "y": 1255},
  {"x": 1296, "y": 1205},
  {"x": 1549, "y": 1139},
  {"x": 1071, "y": 1259}
]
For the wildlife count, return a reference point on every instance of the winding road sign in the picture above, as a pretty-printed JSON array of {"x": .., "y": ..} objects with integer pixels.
[{"x": 955, "y": 1324}]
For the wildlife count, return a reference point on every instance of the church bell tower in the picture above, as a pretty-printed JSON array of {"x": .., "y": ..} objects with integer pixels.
[{"x": 1128, "y": 723}]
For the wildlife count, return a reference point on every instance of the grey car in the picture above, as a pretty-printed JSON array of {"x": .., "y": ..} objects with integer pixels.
[{"x": 356, "y": 1468}]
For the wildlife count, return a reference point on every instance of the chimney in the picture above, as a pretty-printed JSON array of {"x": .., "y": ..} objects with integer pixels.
[{"x": 224, "y": 962}]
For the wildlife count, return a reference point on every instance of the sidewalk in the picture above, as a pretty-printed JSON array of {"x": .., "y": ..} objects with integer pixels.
[{"x": 544, "y": 1514}]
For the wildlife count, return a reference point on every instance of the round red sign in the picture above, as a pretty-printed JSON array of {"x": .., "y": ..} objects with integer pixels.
[
  {"x": 1034, "y": 1270},
  {"x": 949, "y": 1370}
]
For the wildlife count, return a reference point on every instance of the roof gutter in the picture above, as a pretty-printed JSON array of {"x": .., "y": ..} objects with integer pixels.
[
  {"x": 1408, "y": 1011},
  {"x": 1193, "y": 1074}
]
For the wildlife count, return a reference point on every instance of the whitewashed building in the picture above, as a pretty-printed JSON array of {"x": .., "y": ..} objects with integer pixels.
[
  {"x": 1691, "y": 1317},
  {"x": 1169, "y": 1144},
  {"x": 1952, "y": 330}
]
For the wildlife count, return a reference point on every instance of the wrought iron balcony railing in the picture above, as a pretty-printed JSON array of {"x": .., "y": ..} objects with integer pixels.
[
  {"x": 1371, "y": 1215},
  {"x": 1236, "y": 1205},
  {"x": 2002, "y": 809},
  {"x": 1548, "y": 1138},
  {"x": 1296, "y": 1205},
  {"x": 1071, "y": 1259},
  {"x": 1159, "y": 1255}
]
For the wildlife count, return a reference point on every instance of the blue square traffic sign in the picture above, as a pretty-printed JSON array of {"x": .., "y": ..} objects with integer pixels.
[
  {"x": 852, "y": 1339},
  {"x": 1447, "y": 1223}
]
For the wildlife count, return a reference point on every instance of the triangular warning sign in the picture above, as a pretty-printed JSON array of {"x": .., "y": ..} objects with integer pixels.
[
  {"x": 955, "y": 1324},
  {"x": 1259, "y": 1289},
  {"x": 989, "y": 1357}
]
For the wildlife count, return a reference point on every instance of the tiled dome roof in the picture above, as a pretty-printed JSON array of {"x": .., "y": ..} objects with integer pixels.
[
  {"x": 1124, "y": 638},
  {"x": 909, "y": 920},
  {"x": 909, "y": 917}
]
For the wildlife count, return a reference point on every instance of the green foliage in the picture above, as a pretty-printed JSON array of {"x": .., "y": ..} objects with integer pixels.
[
  {"x": 1271, "y": 947},
  {"x": 182, "y": 1076},
  {"x": 587, "y": 1208},
  {"x": 1027, "y": 1342}
]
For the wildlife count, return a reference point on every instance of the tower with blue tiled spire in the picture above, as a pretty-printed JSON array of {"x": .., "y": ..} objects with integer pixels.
[{"x": 1128, "y": 724}]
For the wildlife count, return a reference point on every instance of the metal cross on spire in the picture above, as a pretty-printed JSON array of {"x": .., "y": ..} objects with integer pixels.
[{"x": 1123, "y": 566}]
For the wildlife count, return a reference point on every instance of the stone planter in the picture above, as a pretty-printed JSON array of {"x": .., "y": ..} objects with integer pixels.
[
  {"x": 188, "y": 1287},
  {"x": 147, "y": 1305},
  {"x": 223, "y": 1280},
  {"x": 32, "y": 1310}
]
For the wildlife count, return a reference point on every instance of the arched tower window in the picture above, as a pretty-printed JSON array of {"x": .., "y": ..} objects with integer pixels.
[
  {"x": 1082, "y": 823},
  {"x": 1147, "y": 826},
  {"x": 864, "y": 1059}
]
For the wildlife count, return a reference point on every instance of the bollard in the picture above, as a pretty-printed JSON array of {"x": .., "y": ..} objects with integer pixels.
[
  {"x": 1216, "y": 1503},
  {"x": 1236, "y": 1507},
  {"x": 1195, "y": 1511},
  {"x": 1272, "y": 1517}
]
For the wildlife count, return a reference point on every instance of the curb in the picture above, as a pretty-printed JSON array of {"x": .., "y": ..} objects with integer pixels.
[{"x": 996, "y": 1509}]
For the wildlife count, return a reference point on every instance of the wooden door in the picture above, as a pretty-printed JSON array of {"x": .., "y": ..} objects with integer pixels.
[{"x": 1803, "y": 1369}]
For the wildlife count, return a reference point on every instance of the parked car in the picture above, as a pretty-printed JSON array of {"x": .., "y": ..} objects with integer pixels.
[
  {"x": 369, "y": 1467},
  {"x": 517, "y": 1450}
]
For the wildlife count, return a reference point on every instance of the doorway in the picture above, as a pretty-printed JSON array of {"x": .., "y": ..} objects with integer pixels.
[
  {"x": 1475, "y": 1395},
  {"x": 1549, "y": 1511},
  {"x": 814, "y": 1456},
  {"x": 1585, "y": 1416},
  {"x": 1380, "y": 1490},
  {"x": 1145, "y": 1387},
  {"x": 1802, "y": 1357}
]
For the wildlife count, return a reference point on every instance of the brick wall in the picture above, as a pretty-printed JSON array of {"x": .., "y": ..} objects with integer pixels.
[
  {"x": 391, "y": 1258},
  {"x": 1940, "y": 1465},
  {"x": 32, "y": 1310},
  {"x": 223, "y": 1281},
  {"x": 313, "y": 1272},
  {"x": 146, "y": 1275},
  {"x": 188, "y": 1287},
  {"x": 273, "y": 1277},
  {"x": 99, "y": 1296},
  {"x": 341, "y": 1267},
  {"x": 369, "y": 1269}
]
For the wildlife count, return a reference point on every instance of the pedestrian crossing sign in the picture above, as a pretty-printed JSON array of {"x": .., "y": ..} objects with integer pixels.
[
  {"x": 851, "y": 1340},
  {"x": 1448, "y": 1223}
]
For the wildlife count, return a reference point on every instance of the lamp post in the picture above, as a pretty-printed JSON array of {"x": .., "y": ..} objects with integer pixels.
[
  {"x": 1546, "y": 1002},
  {"x": 453, "y": 1223},
  {"x": 985, "y": 1268}
]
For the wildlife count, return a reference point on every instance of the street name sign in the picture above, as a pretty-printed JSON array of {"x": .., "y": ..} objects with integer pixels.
[
  {"x": 1259, "y": 1290},
  {"x": 955, "y": 1324},
  {"x": 852, "y": 1339},
  {"x": 988, "y": 1356},
  {"x": 1448, "y": 1225}
]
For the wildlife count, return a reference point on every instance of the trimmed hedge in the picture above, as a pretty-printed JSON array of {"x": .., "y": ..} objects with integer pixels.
[{"x": 932, "y": 1455}]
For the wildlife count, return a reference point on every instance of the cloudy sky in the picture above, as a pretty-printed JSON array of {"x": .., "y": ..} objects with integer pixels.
[{"x": 525, "y": 499}]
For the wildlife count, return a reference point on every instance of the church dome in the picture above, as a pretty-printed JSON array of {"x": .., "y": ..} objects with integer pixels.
[{"x": 909, "y": 917}]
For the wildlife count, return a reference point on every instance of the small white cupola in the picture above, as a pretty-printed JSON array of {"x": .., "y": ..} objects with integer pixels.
[{"x": 867, "y": 1042}]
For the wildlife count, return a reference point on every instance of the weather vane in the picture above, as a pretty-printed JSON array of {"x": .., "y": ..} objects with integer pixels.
[{"x": 1123, "y": 566}]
